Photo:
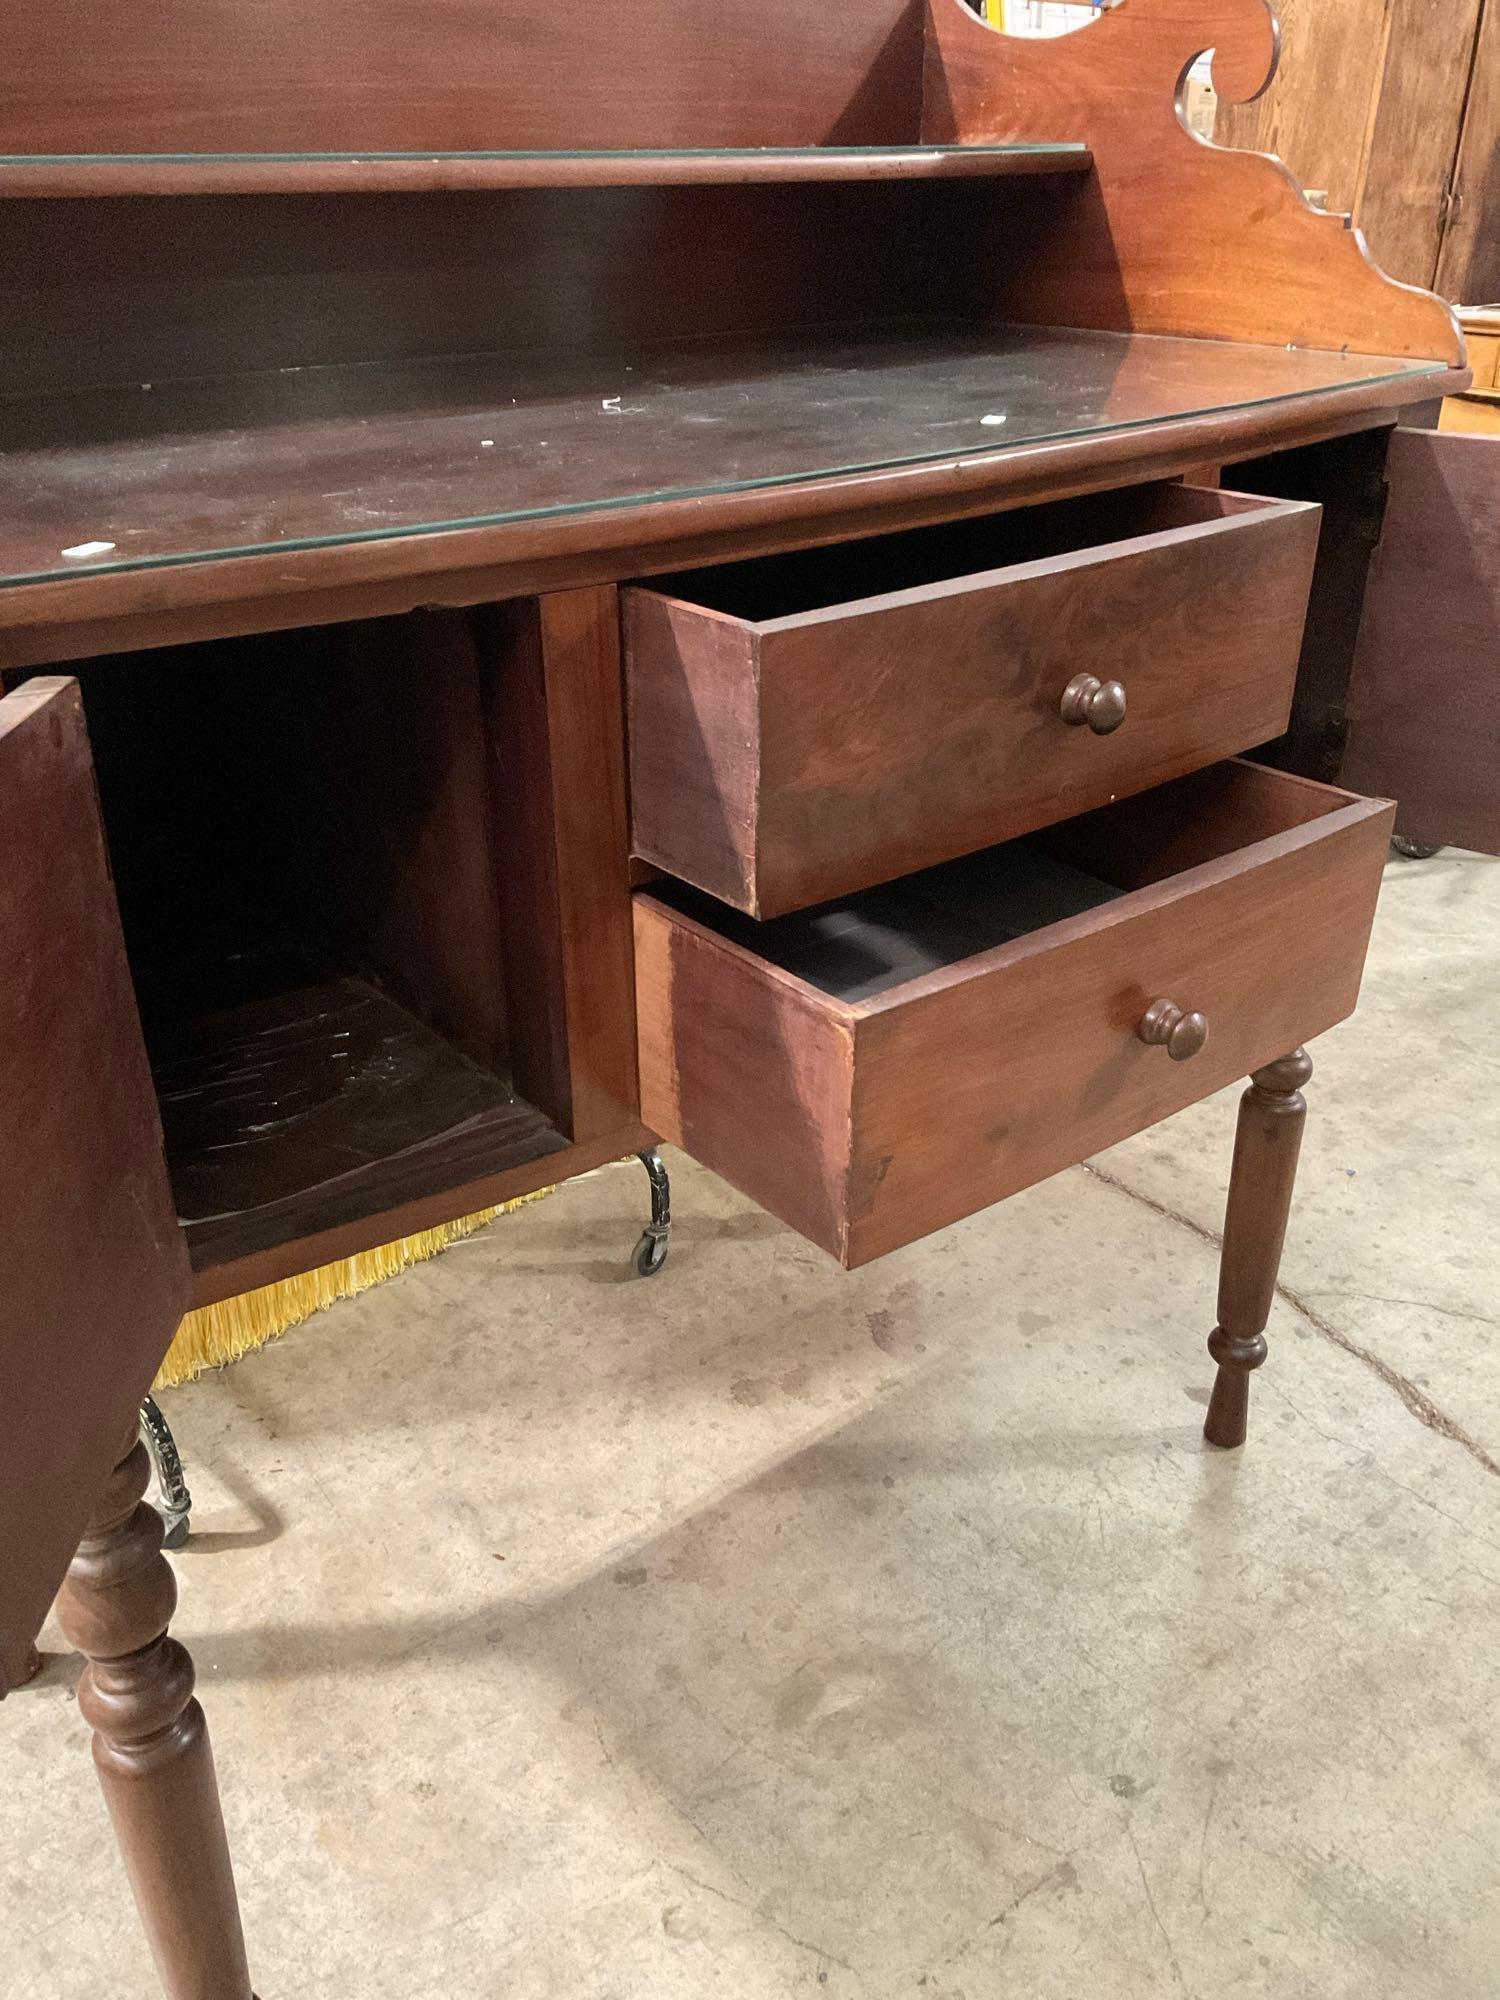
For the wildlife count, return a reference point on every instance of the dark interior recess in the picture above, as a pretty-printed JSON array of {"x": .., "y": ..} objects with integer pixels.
[
  {"x": 805, "y": 580},
  {"x": 859, "y": 946},
  {"x": 301, "y": 834}
]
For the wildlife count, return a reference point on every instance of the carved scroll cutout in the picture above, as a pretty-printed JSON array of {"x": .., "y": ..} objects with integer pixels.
[{"x": 1174, "y": 234}]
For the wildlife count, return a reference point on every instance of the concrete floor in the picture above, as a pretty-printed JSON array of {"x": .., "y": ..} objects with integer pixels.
[{"x": 761, "y": 1631}]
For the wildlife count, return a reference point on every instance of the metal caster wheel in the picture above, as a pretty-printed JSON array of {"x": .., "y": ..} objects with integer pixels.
[
  {"x": 1415, "y": 850},
  {"x": 651, "y": 1251},
  {"x": 650, "y": 1255},
  {"x": 175, "y": 1504}
]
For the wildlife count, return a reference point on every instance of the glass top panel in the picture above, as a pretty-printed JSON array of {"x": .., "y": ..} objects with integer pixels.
[
  {"x": 145, "y": 476},
  {"x": 622, "y": 153}
]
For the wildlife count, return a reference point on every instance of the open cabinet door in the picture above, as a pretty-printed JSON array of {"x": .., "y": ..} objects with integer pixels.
[
  {"x": 1424, "y": 697},
  {"x": 93, "y": 1271}
]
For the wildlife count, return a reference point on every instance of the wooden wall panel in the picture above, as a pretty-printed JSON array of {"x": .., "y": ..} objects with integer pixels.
[
  {"x": 189, "y": 76},
  {"x": 1318, "y": 112},
  {"x": 1368, "y": 105},
  {"x": 1469, "y": 265}
]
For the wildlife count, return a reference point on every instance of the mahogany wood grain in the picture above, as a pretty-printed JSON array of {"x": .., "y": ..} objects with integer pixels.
[
  {"x": 1171, "y": 234},
  {"x": 554, "y": 703},
  {"x": 1267, "y": 1141},
  {"x": 95, "y": 1274},
  {"x": 868, "y": 1123},
  {"x": 1424, "y": 699},
  {"x": 142, "y": 76},
  {"x": 787, "y": 746},
  {"x": 151, "y": 1746}
]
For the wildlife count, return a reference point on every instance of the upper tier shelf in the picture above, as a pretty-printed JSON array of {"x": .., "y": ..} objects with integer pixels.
[
  {"x": 309, "y": 476},
  {"x": 75, "y": 174}
]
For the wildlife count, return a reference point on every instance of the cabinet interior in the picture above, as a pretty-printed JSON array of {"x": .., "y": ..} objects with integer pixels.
[{"x": 305, "y": 832}]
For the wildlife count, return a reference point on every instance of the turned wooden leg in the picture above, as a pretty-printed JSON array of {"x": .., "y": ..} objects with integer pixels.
[
  {"x": 151, "y": 1742},
  {"x": 1266, "y": 1144}
]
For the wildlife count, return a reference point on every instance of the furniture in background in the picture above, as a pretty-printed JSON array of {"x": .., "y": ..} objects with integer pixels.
[
  {"x": 794, "y": 406},
  {"x": 1393, "y": 108}
]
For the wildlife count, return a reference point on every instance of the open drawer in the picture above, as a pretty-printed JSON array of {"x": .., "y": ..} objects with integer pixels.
[
  {"x": 874, "y": 1069},
  {"x": 810, "y": 724}
]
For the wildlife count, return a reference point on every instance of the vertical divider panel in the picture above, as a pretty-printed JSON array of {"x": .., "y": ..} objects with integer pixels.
[{"x": 551, "y": 686}]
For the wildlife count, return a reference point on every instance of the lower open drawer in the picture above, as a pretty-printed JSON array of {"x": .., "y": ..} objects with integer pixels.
[{"x": 878, "y": 1067}]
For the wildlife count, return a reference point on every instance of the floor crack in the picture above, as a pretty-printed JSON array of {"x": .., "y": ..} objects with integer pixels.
[{"x": 1417, "y": 1401}]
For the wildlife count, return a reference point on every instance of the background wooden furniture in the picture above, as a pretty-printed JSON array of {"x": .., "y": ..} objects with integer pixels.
[
  {"x": 1392, "y": 107},
  {"x": 349, "y": 383}
]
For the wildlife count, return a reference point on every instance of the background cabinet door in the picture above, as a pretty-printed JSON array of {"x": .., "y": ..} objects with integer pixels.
[
  {"x": 1424, "y": 698},
  {"x": 93, "y": 1273}
]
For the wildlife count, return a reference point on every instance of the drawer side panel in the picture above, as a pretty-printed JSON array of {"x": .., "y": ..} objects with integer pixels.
[{"x": 749, "y": 1073}]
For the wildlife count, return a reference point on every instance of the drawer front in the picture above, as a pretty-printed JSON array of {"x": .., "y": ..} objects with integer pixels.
[
  {"x": 866, "y": 1125},
  {"x": 780, "y": 761}
]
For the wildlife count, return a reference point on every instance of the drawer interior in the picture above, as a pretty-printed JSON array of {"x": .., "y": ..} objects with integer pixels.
[
  {"x": 301, "y": 829},
  {"x": 859, "y": 947},
  {"x": 811, "y": 580}
]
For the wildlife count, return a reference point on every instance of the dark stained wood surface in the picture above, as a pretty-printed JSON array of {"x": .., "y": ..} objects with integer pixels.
[
  {"x": 1169, "y": 235},
  {"x": 207, "y": 600},
  {"x": 152, "y": 290},
  {"x": 1268, "y": 1139},
  {"x": 795, "y": 735},
  {"x": 1424, "y": 699},
  {"x": 180, "y": 174},
  {"x": 448, "y": 75},
  {"x": 555, "y": 730},
  {"x": 867, "y": 1123},
  {"x": 95, "y": 1275},
  {"x": 1345, "y": 477},
  {"x": 514, "y": 445},
  {"x": 320, "y": 1105}
]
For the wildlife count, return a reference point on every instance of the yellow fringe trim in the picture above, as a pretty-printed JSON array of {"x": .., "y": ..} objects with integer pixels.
[{"x": 213, "y": 1336}]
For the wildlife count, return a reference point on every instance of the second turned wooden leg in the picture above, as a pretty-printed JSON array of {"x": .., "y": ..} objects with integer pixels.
[
  {"x": 151, "y": 1742},
  {"x": 1266, "y": 1144}
]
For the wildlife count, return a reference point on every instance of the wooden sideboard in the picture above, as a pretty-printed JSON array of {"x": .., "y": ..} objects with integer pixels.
[{"x": 679, "y": 572}]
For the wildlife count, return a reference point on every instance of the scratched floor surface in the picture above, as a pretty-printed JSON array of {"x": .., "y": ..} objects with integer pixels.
[{"x": 763, "y": 1631}]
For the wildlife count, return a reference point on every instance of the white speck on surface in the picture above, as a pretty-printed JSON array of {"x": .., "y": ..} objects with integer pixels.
[
  {"x": 86, "y": 551},
  {"x": 486, "y": 444},
  {"x": 611, "y": 402},
  {"x": 993, "y": 421}
]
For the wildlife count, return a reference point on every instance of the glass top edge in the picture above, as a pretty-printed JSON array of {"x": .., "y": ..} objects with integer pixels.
[
  {"x": 518, "y": 157},
  {"x": 179, "y": 559}
]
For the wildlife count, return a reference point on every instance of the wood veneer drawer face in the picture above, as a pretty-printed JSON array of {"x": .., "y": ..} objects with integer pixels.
[
  {"x": 874, "y": 1069},
  {"x": 803, "y": 726}
]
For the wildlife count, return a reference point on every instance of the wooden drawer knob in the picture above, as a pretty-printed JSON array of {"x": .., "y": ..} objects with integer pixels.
[
  {"x": 1164, "y": 1025},
  {"x": 1100, "y": 704}
]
